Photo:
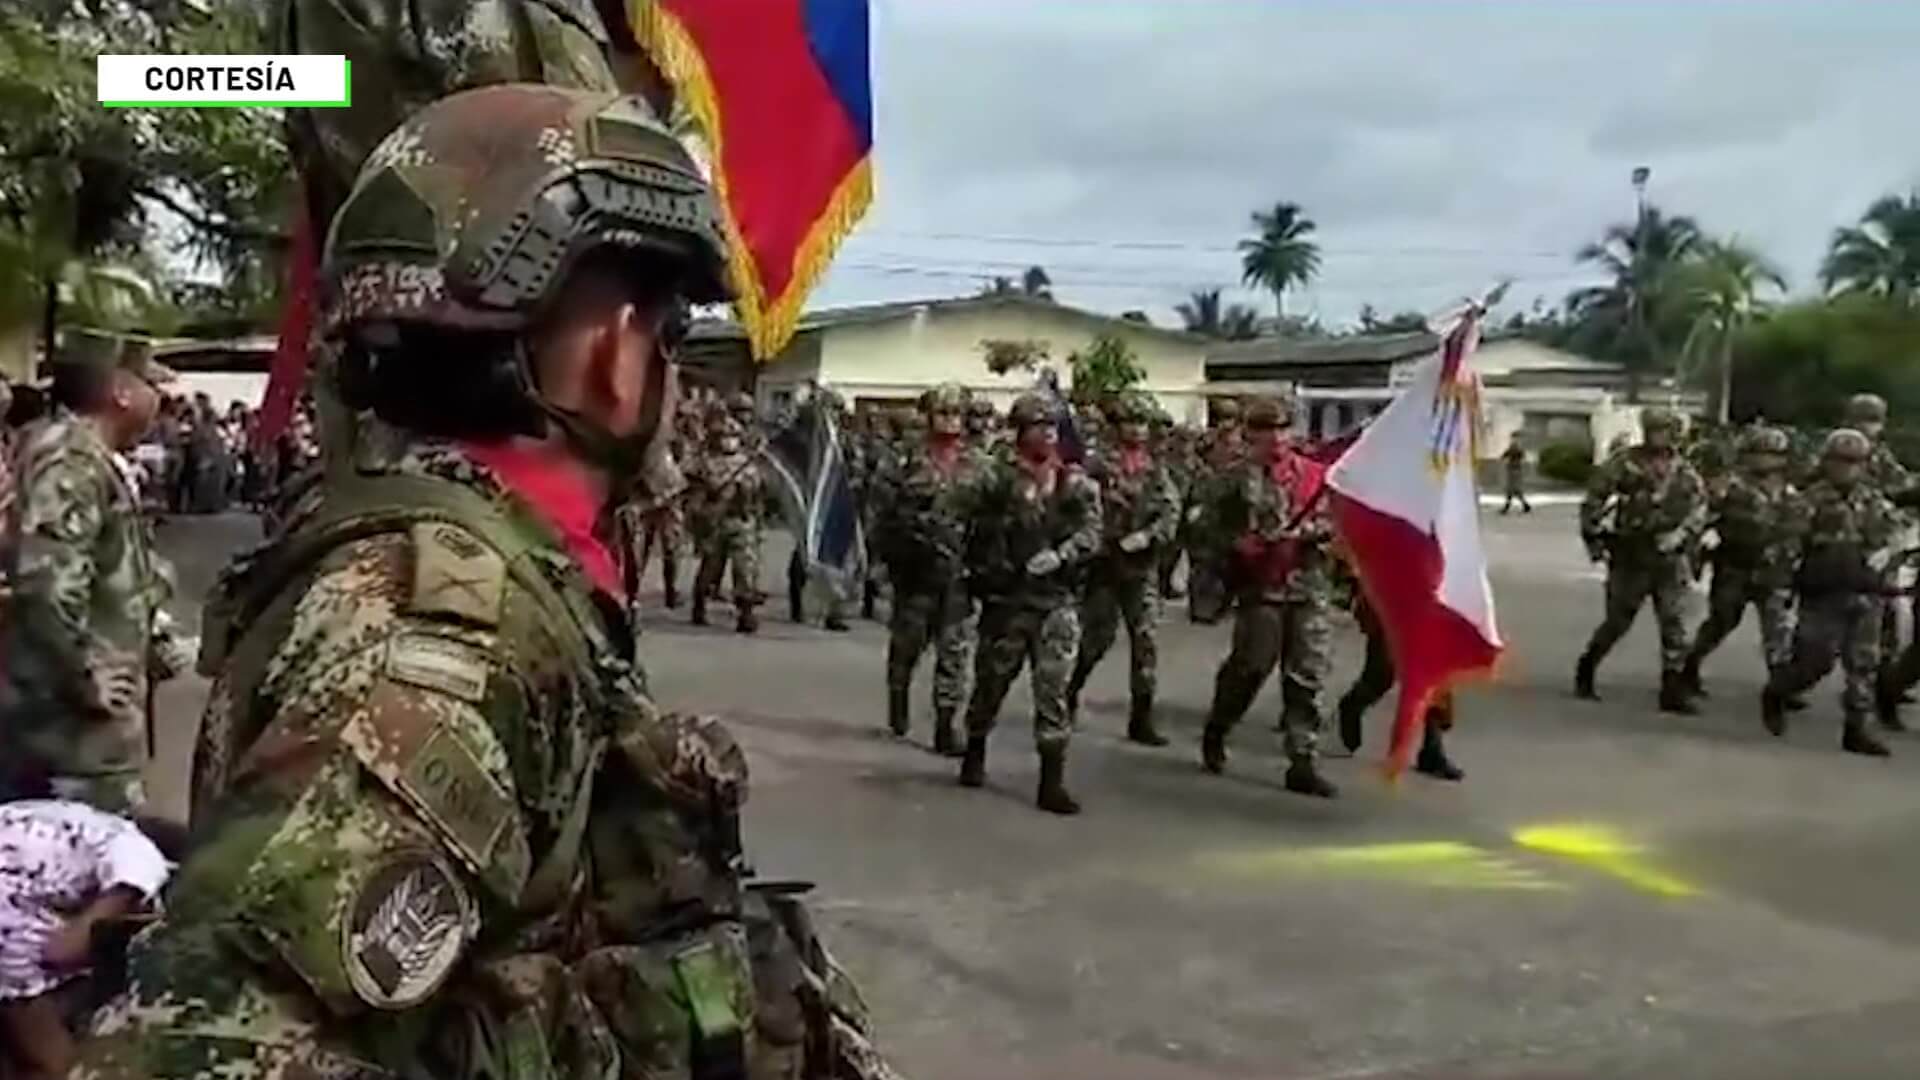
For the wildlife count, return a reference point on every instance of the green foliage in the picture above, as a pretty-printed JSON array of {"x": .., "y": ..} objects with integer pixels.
[
  {"x": 1881, "y": 255},
  {"x": 1003, "y": 355},
  {"x": 1104, "y": 368},
  {"x": 1800, "y": 365},
  {"x": 1280, "y": 256},
  {"x": 1205, "y": 314},
  {"x": 1569, "y": 463},
  {"x": 1635, "y": 318}
]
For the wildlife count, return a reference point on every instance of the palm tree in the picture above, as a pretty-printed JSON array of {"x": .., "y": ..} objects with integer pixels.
[
  {"x": 1881, "y": 255},
  {"x": 1630, "y": 317},
  {"x": 1281, "y": 256},
  {"x": 1036, "y": 284},
  {"x": 1720, "y": 286},
  {"x": 1204, "y": 314}
]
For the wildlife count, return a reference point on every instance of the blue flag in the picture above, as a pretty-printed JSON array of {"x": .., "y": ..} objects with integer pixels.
[
  {"x": 808, "y": 467},
  {"x": 1073, "y": 449}
]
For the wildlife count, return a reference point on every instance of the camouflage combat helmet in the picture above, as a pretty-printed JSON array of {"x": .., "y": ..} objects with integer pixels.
[
  {"x": 981, "y": 408},
  {"x": 1866, "y": 409},
  {"x": 1765, "y": 440},
  {"x": 1269, "y": 412},
  {"x": 1225, "y": 410},
  {"x": 1029, "y": 410},
  {"x": 1132, "y": 407},
  {"x": 946, "y": 397},
  {"x": 1846, "y": 444},
  {"x": 472, "y": 212},
  {"x": 1652, "y": 420},
  {"x": 723, "y": 426},
  {"x": 740, "y": 403}
]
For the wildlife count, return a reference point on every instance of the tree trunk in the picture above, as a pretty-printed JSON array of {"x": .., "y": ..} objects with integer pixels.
[
  {"x": 1724, "y": 407},
  {"x": 49, "y": 323},
  {"x": 1279, "y": 306}
]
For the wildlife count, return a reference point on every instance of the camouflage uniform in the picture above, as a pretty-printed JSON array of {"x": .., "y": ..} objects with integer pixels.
[
  {"x": 1514, "y": 461},
  {"x": 84, "y": 631},
  {"x": 1222, "y": 456},
  {"x": 650, "y": 523},
  {"x": 1032, "y": 531},
  {"x": 442, "y": 828},
  {"x": 1658, "y": 506},
  {"x": 728, "y": 496},
  {"x": 1845, "y": 528},
  {"x": 1755, "y": 560},
  {"x": 920, "y": 515},
  {"x": 1281, "y": 535},
  {"x": 1140, "y": 513},
  {"x": 1172, "y": 448}
]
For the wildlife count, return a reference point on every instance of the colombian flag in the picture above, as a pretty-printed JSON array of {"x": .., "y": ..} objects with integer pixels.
[{"x": 783, "y": 93}]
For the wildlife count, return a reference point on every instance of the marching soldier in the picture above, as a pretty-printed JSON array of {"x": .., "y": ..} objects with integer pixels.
[
  {"x": 728, "y": 495},
  {"x": 442, "y": 828},
  {"x": 1376, "y": 677},
  {"x": 84, "y": 630},
  {"x": 1753, "y": 563},
  {"x": 1845, "y": 527},
  {"x": 983, "y": 425},
  {"x": 1658, "y": 505},
  {"x": 920, "y": 515},
  {"x": 1867, "y": 414},
  {"x": 1034, "y": 524},
  {"x": 1281, "y": 534},
  {"x": 1171, "y": 447},
  {"x": 1140, "y": 511},
  {"x": 1222, "y": 453},
  {"x": 652, "y": 524},
  {"x": 1514, "y": 462}
]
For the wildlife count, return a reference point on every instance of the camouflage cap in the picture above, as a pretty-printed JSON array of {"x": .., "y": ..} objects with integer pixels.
[
  {"x": 471, "y": 213},
  {"x": 1666, "y": 420},
  {"x": 1031, "y": 409},
  {"x": 1847, "y": 444},
  {"x": 82, "y": 347},
  {"x": 1765, "y": 440},
  {"x": 946, "y": 397},
  {"x": 1866, "y": 409}
]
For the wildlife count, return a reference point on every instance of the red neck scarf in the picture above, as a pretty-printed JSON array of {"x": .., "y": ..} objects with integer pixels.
[{"x": 559, "y": 490}]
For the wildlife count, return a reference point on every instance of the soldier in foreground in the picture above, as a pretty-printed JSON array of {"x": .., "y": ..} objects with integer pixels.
[
  {"x": 1034, "y": 524},
  {"x": 442, "y": 828},
  {"x": 1753, "y": 563},
  {"x": 84, "y": 633},
  {"x": 920, "y": 521},
  {"x": 1281, "y": 534},
  {"x": 728, "y": 495},
  {"x": 1140, "y": 511},
  {"x": 1845, "y": 528},
  {"x": 1867, "y": 414},
  {"x": 1657, "y": 505}
]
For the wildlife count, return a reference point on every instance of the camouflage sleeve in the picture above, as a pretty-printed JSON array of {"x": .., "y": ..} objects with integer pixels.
[
  {"x": 1083, "y": 507},
  {"x": 1162, "y": 508},
  {"x": 1693, "y": 503},
  {"x": 1600, "y": 488},
  {"x": 62, "y": 512}
]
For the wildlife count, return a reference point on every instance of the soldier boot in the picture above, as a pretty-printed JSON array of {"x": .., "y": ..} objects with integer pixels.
[
  {"x": 1856, "y": 739},
  {"x": 898, "y": 720},
  {"x": 1583, "y": 673},
  {"x": 1433, "y": 760},
  {"x": 748, "y": 622},
  {"x": 1690, "y": 678},
  {"x": 1304, "y": 779},
  {"x": 1140, "y": 727},
  {"x": 945, "y": 742},
  {"x": 973, "y": 765},
  {"x": 1886, "y": 707},
  {"x": 1350, "y": 734},
  {"x": 1773, "y": 711},
  {"x": 1213, "y": 748},
  {"x": 837, "y": 624},
  {"x": 1673, "y": 695},
  {"x": 699, "y": 606},
  {"x": 673, "y": 595},
  {"x": 1053, "y": 797}
]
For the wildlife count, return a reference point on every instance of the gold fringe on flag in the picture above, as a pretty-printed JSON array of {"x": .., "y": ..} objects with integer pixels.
[{"x": 770, "y": 321}]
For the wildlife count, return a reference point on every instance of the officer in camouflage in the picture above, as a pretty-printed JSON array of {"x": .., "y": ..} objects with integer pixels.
[
  {"x": 1845, "y": 529},
  {"x": 1034, "y": 523},
  {"x": 1171, "y": 447},
  {"x": 1140, "y": 511},
  {"x": 441, "y": 826},
  {"x": 1222, "y": 453},
  {"x": 1754, "y": 561},
  {"x": 728, "y": 495},
  {"x": 1643, "y": 512},
  {"x": 920, "y": 515},
  {"x": 84, "y": 631},
  {"x": 1284, "y": 570}
]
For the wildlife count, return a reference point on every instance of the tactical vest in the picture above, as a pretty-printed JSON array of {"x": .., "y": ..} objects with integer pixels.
[{"x": 670, "y": 996}]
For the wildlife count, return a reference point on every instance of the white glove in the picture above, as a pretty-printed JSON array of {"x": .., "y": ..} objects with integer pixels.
[
  {"x": 1193, "y": 514},
  {"x": 1044, "y": 563},
  {"x": 1135, "y": 542},
  {"x": 1668, "y": 542},
  {"x": 1877, "y": 562}
]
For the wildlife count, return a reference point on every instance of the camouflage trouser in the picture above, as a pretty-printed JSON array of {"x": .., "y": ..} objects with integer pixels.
[
  {"x": 1206, "y": 588},
  {"x": 737, "y": 545},
  {"x": 1298, "y": 636},
  {"x": 1843, "y": 626},
  {"x": 1733, "y": 589},
  {"x": 1135, "y": 601},
  {"x": 944, "y": 618},
  {"x": 1011, "y": 636},
  {"x": 1631, "y": 584},
  {"x": 660, "y": 532}
]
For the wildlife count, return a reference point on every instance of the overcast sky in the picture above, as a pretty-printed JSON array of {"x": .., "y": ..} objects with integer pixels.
[{"x": 1439, "y": 145}]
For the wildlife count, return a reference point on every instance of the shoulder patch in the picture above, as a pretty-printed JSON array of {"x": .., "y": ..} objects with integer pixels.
[
  {"x": 455, "y": 576},
  {"x": 440, "y": 663},
  {"x": 407, "y": 925}
]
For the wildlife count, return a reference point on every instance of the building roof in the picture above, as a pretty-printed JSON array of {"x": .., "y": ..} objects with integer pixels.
[
  {"x": 1282, "y": 353},
  {"x": 860, "y": 314}
]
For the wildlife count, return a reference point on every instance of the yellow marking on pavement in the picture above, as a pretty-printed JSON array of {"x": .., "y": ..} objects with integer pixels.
[
  {"x": 1442, "y": 864},
  {"x": 1606, "y": 850}
]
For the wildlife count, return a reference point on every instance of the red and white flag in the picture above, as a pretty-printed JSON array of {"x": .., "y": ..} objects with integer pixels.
[{"x": 1407, "y": 506}]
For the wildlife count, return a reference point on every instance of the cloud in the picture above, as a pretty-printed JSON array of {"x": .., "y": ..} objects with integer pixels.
[{"x": 1437, "y": 145}]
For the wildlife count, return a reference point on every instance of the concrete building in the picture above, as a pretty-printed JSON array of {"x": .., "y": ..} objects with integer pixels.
[
  {"x": 1543, "y": 394},
  {"x": 890, "y": 353}
]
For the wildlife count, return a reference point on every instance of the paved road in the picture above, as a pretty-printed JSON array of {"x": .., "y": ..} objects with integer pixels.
[{"x": 1611, "y": 893}]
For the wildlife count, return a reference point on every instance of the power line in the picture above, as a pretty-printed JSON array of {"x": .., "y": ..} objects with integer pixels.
[
  {"x": 1074, "y": 280},
  {"x": 1219, "y": 249}
]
